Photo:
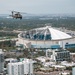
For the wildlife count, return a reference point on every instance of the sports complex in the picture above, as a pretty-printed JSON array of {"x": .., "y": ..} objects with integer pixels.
[{"x": 45, "y": 37}]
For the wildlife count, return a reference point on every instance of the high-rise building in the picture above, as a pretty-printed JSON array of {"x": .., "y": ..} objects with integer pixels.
[
  {"x": 20, "y": 68},
  {"x": 15, "y": 69},
  {"x": 1, "y": 61},
  {"x": 73, "y": 71}
]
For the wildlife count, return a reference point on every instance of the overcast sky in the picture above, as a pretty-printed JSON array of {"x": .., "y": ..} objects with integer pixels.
[{"x": 38, "y": 6}]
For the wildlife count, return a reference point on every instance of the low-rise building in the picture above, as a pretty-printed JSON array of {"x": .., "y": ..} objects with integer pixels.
[
  {"x": 64, "y": 73},
  {"x": 9, "y": 60},
  {"x": 58, "y": 55},
  {"x": 68, "y": 64}
]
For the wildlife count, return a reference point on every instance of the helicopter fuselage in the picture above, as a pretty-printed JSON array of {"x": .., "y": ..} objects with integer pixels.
[{"x": 17, "y": 16}]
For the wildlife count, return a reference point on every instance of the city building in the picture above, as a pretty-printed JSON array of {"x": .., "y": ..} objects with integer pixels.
[
  {"x": 73, "y": 71},
  {"x": 58, "y": 55},
  {"x": 28, "y": 65},
  {"x": 64, "y": 73},
  {"x": 20, "y": 68},
  {"x": 59, "y": 67},
  {"x": 68, "y": 64},
  {"x": 42, "y": 59},
  {"x": 9, "y": 60},
  {"x": 1, "y": 61},
  {"x": 45, "y": 37},
  {"x": 15, "y": 68}
]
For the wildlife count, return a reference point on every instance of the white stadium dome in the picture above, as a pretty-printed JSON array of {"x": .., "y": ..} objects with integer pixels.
[
  {"x": 43, "y": 37},
  {"x": 45, "y": 33}
]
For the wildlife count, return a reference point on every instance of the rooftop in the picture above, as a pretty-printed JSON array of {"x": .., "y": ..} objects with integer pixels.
[{"x": 45, "y": 33}]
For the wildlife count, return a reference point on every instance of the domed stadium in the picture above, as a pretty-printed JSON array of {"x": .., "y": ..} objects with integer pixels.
[{"x": 44, "y": 37}]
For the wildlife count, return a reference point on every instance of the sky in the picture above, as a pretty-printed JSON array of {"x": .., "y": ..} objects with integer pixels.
[{"x": 38, "y": 6}]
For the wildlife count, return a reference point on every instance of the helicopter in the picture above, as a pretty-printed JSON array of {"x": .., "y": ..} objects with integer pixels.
[{"x": 16, "y": 15}]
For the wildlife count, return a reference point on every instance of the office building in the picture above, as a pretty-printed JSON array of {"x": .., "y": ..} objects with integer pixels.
[
  {"x": 73, "y": 71},
  {"x": 20, "y": 68},
  {"x": 58, "y": 55},
  {"x": 1, "y": 61}
]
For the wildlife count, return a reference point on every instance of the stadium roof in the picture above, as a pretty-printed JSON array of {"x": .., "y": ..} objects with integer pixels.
[{"x": 46, "y": 33}]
